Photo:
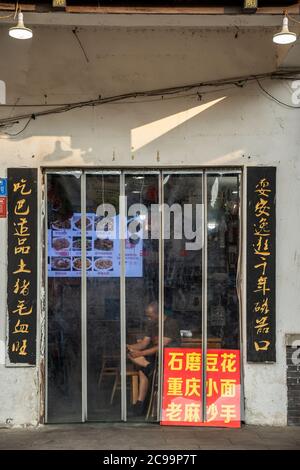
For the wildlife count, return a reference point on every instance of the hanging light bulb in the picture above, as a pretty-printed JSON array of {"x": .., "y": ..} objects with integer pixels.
[
  {"x": 20, "y": 31},
  {"x": 285, "y": 36}
]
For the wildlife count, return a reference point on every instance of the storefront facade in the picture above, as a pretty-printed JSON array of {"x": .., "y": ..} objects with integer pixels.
[
  {"x": 195, "y": 148},
  {"x": 184, "y": 275}
]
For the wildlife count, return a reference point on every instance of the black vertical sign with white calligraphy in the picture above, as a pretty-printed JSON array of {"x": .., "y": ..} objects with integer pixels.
[
  {"x": 22, "y": 265},
  {"x": 261, "y": 264}
]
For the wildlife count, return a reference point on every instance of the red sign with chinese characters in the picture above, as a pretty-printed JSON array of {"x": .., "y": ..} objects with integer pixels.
[
  {"x": 182, "y": 388},
  {"x": 3, "y": 207}
]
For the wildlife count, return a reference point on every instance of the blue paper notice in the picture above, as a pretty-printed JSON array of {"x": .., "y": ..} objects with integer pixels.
[{"x": 3, "y": 186}]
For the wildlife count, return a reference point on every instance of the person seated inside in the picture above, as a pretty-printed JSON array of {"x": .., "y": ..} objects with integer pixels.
[{"x": 143, "y": 353}]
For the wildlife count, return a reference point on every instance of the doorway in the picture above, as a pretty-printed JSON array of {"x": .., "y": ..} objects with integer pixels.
[{"x": 133, "y": 255}]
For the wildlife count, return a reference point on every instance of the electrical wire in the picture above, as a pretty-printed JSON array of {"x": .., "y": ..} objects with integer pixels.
[
  {"x": 292, "y": 18},
  {"x": 22, "y": 130},
  {"x": 137, "y": 101},
  {"x": 6, "y": 16},
  {"x": 74, "y": 31},
  {"x": 274, "y": 97},
  {"x": 14, "y": 14},
  {"x": 171, "y": 92},
  {"x": 161, "y": 93}
]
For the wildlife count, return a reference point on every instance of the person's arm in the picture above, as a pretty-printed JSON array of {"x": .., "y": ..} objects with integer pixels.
[
  {"x": 140, "y": 345},
  {"x": 150, "y": 351}
]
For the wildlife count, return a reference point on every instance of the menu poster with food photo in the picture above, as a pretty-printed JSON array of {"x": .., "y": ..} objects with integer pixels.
[{"x": 102, "y": 248}]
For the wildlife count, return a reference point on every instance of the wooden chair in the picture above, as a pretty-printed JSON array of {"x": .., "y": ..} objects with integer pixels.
[
  {"x": 134, "y": 375},
  {"x": 152, "y": 405},
  {"x": 109, "y": 367}
]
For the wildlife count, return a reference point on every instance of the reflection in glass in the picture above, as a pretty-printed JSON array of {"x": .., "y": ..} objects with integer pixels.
[
  {"x": 64, "y": 300},
  {"x": 142, "y": 284},
  {"x": 103, "y": 299}
]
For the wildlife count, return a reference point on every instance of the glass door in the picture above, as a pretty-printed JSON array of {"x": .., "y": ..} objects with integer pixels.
[
  {"x": 63, "y": 297},
  {"x": 183, "y": 253},
  {"x": 142, "y": 306},
  {"x": 222, "y": 372},
  {"x": 103, "y": 329},
  {"x": 143, "y": 314},
  {"x": 183, "y": 297}
]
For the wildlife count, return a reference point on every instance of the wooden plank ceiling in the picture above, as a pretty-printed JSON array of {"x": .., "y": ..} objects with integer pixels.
[{"x": 189, "y": 6}]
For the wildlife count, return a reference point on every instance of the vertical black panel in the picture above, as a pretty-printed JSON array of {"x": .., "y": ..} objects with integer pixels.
[
  {"x": 22, "y": 265},
  {"x": 261, "y": 264}
]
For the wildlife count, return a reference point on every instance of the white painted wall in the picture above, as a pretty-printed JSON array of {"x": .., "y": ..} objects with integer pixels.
[{"x": 245, "y": 128}]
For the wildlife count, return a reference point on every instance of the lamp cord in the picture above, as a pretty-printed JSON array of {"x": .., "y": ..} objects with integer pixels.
[
  {"x": 6, "y": 16},
  {"x": 292, "y": 18},
  {"x": 20, "y": 131},
  {"x": 286, "y": 13},
  {"x": 274, "y": 97},
  {"x": 14, "y": 14}
]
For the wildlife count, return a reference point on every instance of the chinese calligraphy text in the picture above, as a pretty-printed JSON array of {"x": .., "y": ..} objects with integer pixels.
[
  {"x": 183, "y": 389},
  {"x": 261, "y": 237},
  {"x": 22, "y": 265}
]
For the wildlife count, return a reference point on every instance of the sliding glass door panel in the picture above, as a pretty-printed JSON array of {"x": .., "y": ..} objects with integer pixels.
[
  {"x": 103, "y": 298},
  {"x": 182, "y": 293},
  {"x": 223, "y": 239},
  {"x": 183, "y": 244},
  {"x": 223, "y": 315},
  {"x": 142, "y": 295},
  {"x": 63, "y": 299}
]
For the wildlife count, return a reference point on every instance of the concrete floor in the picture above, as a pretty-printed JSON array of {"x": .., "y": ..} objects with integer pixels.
[{"x": 124, "y": 436}]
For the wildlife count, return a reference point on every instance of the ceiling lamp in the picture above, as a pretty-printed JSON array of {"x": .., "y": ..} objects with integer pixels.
[
  {"x": 285, "y": 36},
  {"x": 20, "y": 31}
]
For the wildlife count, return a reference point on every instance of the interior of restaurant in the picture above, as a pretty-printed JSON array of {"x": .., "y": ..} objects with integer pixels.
[{"x": 148, "y": 261}]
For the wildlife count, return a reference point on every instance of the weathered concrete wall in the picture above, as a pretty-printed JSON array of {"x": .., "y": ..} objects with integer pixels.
[{"x": 244, "y": 128}]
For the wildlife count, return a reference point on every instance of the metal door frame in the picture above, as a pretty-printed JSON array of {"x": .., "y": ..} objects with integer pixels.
[{"x": 82, "y": 173}]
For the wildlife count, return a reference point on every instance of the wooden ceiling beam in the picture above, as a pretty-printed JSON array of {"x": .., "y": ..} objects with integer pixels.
[
  {"x": 294, "y": 9},
  {"x": 150, "y": 10},
  {"x": 23, "y": 6},
  {"x": 32, "y": 7}
]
